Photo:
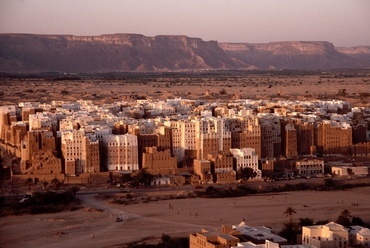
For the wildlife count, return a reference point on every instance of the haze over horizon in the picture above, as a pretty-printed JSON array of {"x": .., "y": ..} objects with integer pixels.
[{"x": 344, "y": 23}]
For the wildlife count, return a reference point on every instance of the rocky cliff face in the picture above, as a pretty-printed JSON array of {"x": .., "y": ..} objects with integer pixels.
[
  {"x": 360, "y": 53},
  {"x": 134, "y": 52},
  {"x": 118, "y": 52},
  {"x": 290, "y": 55}
]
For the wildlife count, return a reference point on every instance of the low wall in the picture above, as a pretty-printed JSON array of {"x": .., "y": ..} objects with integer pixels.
[
  {"x": 11, "y": 150},
  {"x": 22, "y": 179}
]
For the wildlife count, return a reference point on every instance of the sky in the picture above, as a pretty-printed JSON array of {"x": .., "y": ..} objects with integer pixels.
[{"x": 342, "y": 22}]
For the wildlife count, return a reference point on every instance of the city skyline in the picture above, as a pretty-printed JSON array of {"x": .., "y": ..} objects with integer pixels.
[{"x": 344, "y": 23}]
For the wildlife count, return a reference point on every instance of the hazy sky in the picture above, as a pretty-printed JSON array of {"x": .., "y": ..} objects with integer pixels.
[{"x": 343, "y": 22}]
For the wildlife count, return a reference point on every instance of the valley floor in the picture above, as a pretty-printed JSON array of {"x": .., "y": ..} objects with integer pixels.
[{"x": 95, "y": 225}]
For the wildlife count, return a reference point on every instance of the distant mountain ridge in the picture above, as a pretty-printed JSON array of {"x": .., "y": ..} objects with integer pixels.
[{"x": 135, "y": 52}]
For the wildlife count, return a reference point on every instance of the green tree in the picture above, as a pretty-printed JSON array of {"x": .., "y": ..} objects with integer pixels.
[
  {"x": 349, "y": 171},
  {"x": 345, "y": 213},
  {"x": 289, "y": 212},
  {"x": 290, "y": 231},
  {"x": 210, "y": 190},
  {"x": 166, "y": 238},
  {"x": 126, "y": 178},
  {"x": 74, "y": 189},
  {"x": 143, "y": 177},
  {"x": 55, "y": 184},
  {"x": 344, "y": 218},
  {"x": 357, "y": 221},
  {"x": 342, "y": 92},
  {"x": 246, "y": 173},
  {"x": 329, "y": 183},
  {"x": 322, "y": 222},
  {"x": 306, "y": 222},
  {"x": 223, "y": 91}
]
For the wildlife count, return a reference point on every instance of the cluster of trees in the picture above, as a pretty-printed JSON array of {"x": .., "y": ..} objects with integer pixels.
[
  {"x": 346, "y": 219},
  {"x": 54, "y": 184},
  {"x": 142, "y": 177},
  {"x": 246, "y": 173},
  {"x": 292, "y": 229},
  {"x": 42, "y": 202},
  {"x": 212, "y": 192},
  {"x": 242, "y": 190}
]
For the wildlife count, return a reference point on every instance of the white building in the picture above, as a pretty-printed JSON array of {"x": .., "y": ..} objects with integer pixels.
[
  {"x": 246, "y": 157},
  {"x": 72, "y": 147},
  {"x": 43, "y": 121},
  {"x": 121, "y": 152},
  {"x": 359, "y": 235},
  {"x": 161, "y": 107},
  {"x": 177, "y": 148},
  {"x": 161, "y": 181},
  {"x": 206, "y": 113},
  {"x": 80, "y": 152},
  {"x": 310, "y": 167},
  {"x": 350, "y": 170},
  {"x": 245, "y": 112},
  {"x": 190, "y": 132},
  {"x": 331, "y": 235},
  {"x": 260, "y": 233},
  {"x": 214, "y": 132},
  {"x": 267, "y": 244}
]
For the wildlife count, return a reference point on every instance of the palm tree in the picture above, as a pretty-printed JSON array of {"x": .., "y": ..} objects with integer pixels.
[
  {"x": 289, "y": 212},
  {"x": 344, "y": 218},
  {"x": 345, "y": 213}
]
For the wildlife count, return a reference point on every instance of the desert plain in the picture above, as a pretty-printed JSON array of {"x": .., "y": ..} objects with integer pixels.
[
  {"x": 94, "y": 225},
  {"x": 351, "y": 86}
]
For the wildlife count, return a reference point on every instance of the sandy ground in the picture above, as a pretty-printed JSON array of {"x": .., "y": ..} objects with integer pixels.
[
  {"x": 294, "y": 87},
  {"x": 76, "y": 229}
]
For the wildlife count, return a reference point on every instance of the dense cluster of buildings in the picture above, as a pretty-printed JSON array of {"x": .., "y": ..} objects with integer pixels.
[
  {"x": 331, "y": 235},
  {"x": 213, "y": 140}
]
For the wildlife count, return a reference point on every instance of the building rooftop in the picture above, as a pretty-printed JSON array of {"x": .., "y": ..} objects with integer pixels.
[{"x": 258, "y": 233}]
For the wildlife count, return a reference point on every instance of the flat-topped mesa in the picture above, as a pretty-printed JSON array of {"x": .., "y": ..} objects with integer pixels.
[
  {"x": 304, "y": 55},
  {"x": 135, "y": 39},
  {"x": 116, "y": 52},
  {"x": 185, "y": 41},
  {"x": 282, "y": 48},
  {"x": 136, "y": 52},
  {"x": 359, "y": 53},
  {"x": 121, "y": 39},
  {"x": 354, "y": 50}
]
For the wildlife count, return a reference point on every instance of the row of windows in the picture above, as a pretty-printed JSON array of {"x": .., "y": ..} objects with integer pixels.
[
  {"x": 128, "y": 157},
  {"x": 247, "y": 164},
  {"x": 73, "y": 154},
  {"x": 312, "y": 172},
  {"x": 311, "y": 165},
  {"x": 118, "y": 144}
]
